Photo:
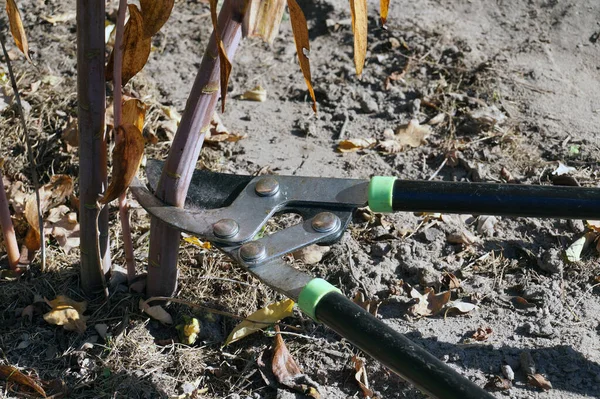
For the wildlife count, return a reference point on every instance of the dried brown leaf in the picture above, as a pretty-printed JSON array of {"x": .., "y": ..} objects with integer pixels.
[
  {"x": 218, "y": 133},
  {"x": 451, "y": 281},
  {"x": 51, "y": 195},
  {"x": 497, "y": 383},
  {"x": 155, "y": 14},
  {"x": 67, "y": 313},
  {"x": 287, "y": 372},
  {"x": 428, "y": 303},
  {"x": 539, "y": 381},
  {"x": 136, "y": 47},
  {"x": 464, "y": 237},
  {"x": 262, "y": 19},
  {"x": 370, "y": 305},
  {"x": 300, "y": 31},
  {"x": 361, "y": 377},
  {"x": 413, "y": 134},
  {"x": 16, "y": 28},
  {"x": 482, "y": 334},
  {"x": 384, "y": 5},
  {"x": 70, "y": 134},
  {"x": 358, "y": 10},
  {"x": 356, "y": 144},
  {"x": 10, "y": 373},
  {"x": 224, "y": 63},
  {"x": 156, "y": 312},
  {"x": 127, "y": 156},
  {"x": 134, "y": 113},
  {"x": 62, "y": 225}
]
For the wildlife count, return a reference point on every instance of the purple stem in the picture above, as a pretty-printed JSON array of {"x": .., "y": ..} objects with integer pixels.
[
  {"x": 91, "y": 97},
  {"x": 8, "y": 231},
  {"x": 118, "y": 113},
  {"x": 181, "y": 162}
]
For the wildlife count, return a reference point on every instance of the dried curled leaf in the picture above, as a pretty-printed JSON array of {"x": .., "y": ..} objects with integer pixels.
[
  {"x": 258, "y": 93},
  {"x": 482, "y": 334},
  {"x": 12, "y": 374},
  {"x": 428, "y": 303},
  {"x": 156, "y": 312},
  {"x": 224, "y": 63},
  {"x": 127, "y": 156},
  {"x": 358, "y": 10},
  {"x": 136, "y": 47},
  {"x": 51, "y": 195},
  {"x": 262, "y": 19},
  {"x": 384, "y": 5},
  {"x": 16, "y": 28},
  {"x": 67, "y": 313},
  {"x": 62, "y": 225},
  {"x": 356, "y": 144},
  {"x": 260, "y": 319},
  {"x": 300, "y": 31},
  {"x": 218, "y": 133},
  {"x": 361, "y": 377},
  {"x": 288, "y": 373},
  {"x": 134, "y": 113},
  {"x": 539, "y": 381},
  {"x": 155, "y": 13},
  {"x": 412, "y": 134}
]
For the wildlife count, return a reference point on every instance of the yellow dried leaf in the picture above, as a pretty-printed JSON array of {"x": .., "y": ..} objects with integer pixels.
[
  {"x": 300, "y": 31},
  {"x": 16, "y": 27},
  {"x": 224, "y": 63},
  {"x": 127, "y": 156},
  {"x": 384, "y": 5},
  {"x": 258, "y": 93},
  {"x": 67, "y": 313},
  {"x": 260, "y": 319},
  {"x": 12, "y": 374},
  {"x": 136, "y": 47},
  {"x": 358, "y": 10},
  {"x": 134, "y": 112},
  {"x": 262, "y": 19},
  {"x": 189, "y": 330},
  {"x": 593, "y": 225},
  {"x": 54, "y": 19},
  {"x": 155, "y": 13},
  {"x": 356, "y": 144},
  {"x": 195, "y": 241}
]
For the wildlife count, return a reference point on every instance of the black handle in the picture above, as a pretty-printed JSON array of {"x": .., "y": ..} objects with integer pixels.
[
  {"x": 394, "y": 350},
  {"x": 497, "y": 199}
]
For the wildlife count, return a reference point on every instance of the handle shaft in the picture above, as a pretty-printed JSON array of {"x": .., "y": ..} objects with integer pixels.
[
  {"x": 497, "y": 199},
  {"x": 394, "y": 350}
]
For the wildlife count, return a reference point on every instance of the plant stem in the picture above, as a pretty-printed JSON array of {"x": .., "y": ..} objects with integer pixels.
[
  {"x": 32, "y": 165},
  {"x": 177, "y": 172},
  {"x": 118, "y": 112},
  {"x": 8, "y": 231},
  {"x": 91, "y": 96}
]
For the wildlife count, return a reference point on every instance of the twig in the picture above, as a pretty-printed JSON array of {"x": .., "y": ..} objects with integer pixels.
[
  {"x": 32, "y": 165},
  {"x": 438, "y": 169},
  {"x": 8, "y": 230}
]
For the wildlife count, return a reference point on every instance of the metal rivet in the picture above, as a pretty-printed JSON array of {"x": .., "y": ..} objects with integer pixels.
[
  {"x": 253, "y": 251},
  {"x": 325, "y": 222},
  {"x": 267, "y": 187},
  {"x": 226, "y": 228}
]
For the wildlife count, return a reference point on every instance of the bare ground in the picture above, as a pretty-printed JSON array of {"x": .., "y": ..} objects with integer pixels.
[{"x": 537, "y": 62}]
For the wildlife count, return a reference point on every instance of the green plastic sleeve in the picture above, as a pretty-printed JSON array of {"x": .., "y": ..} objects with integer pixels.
[
  {"x": 312, "y": 293},
  {"x": 380, "y": 193}
]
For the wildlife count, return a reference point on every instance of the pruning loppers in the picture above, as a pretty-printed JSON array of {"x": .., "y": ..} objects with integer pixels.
[{"x": 231, "y": 210}]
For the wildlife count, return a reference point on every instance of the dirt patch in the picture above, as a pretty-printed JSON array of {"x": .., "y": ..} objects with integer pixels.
[{"x": 508, "y": 89}]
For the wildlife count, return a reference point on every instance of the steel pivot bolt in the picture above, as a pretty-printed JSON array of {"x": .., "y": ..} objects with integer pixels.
[
  {"x": 226, "y": 228},
  {"x": 325, "y": 222},
  {"x": 267, "y": 187},
  {"x": 253, "y": 251}
]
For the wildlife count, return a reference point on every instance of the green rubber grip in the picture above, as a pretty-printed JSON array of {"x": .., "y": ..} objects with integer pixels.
[
  {"x": 380, "y": 193},
  {"x": 312, "y": 293}
]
